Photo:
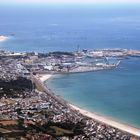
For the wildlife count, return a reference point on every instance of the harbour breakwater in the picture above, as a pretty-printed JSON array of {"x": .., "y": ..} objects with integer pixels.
[{"x": 80, "y": 61}]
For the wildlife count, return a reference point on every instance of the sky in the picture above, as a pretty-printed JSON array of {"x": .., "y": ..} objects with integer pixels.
[{"x": 66, "y": 1}]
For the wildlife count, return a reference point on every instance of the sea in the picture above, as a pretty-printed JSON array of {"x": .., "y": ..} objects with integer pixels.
[{"x": 43, "y": 28}]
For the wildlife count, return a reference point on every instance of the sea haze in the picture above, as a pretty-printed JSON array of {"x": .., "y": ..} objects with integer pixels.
[{"x": 55, "y": 28}]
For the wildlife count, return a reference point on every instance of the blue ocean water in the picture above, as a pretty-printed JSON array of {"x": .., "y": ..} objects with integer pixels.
[
  {"x": 54, "y": 28},
  {"x": 115, "y": 93}
]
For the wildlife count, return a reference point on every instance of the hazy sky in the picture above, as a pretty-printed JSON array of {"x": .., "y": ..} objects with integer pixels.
[{"x": 68, "y": 1}]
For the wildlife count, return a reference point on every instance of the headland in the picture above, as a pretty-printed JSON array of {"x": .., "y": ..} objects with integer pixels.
[{"x": 34, "y": 108}]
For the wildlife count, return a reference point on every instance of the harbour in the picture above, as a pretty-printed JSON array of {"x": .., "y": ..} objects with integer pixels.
[
  {"x": 110, "y": 92},
  {"x": 25, "y": 65}
]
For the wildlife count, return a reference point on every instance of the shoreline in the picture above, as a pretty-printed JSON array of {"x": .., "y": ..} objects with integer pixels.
[
  {"x": 93, "y": 115},
  {"x": 107, "y": 120},
  {"x": 3, "y": 38},
  {"x": 44, "y": 77}
]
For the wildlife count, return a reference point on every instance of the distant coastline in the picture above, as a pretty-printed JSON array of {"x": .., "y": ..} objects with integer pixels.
[
  {"x": 3, "y": 38},
  {"x": 93, "y": 115}
]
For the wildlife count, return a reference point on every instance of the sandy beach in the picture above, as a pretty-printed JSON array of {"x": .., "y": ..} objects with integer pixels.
[
  {"x": 3, "y": 38},
  {"x": 44, "y": 77},
  {"x": 98, "y": 117},
  {"x": 108, "y": 121}
]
